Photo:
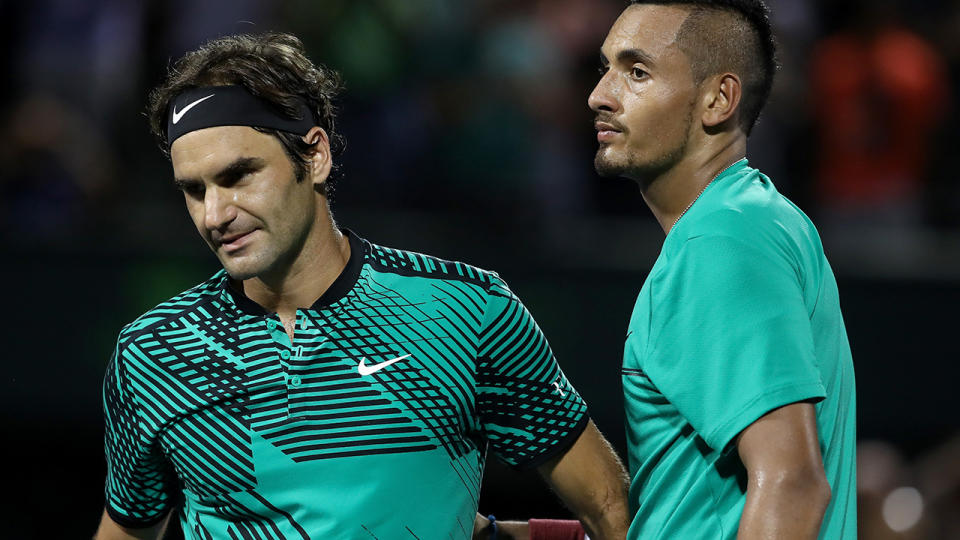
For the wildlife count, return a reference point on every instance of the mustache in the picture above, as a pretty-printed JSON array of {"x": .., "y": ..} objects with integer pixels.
[
  {"x": 607, "y": 118},
  {"x": 220, "y": 237}
]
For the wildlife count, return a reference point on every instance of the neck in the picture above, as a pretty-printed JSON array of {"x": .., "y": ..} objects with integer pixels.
[
  {"x": 300, "y": 282},
  {"x": 671, "y": 192}
]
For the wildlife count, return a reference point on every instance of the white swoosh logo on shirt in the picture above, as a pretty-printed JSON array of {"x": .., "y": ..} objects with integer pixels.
[
  {"x": 177, "y": 115},
  {"x": 364, "y": 369}
]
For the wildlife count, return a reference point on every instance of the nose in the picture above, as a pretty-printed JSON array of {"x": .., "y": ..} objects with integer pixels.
[
  {"x": 602, "y": 97},
  {"x": 218, "y": 208}
]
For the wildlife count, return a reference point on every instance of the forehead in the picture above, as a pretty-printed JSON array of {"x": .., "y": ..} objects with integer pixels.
[
  {"x": 207, "y": 150},
  {"x": 649, "y": 27}
]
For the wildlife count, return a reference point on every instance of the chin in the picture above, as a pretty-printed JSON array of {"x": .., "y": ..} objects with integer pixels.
[
  {"x": 240, "y": 269},
  {"x": 607, "y": 167}
]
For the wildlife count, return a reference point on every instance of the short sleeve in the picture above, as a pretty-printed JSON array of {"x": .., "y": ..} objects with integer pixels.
[
  {"x": 528, "y": 409},
  {"x": 731, "y": 336},
  {"x": 139, "y": 480}
]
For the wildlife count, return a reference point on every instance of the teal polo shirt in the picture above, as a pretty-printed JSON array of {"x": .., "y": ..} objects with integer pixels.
[
  {"x": 372, "y": 422},
  {"x": 739, "y": 315}
]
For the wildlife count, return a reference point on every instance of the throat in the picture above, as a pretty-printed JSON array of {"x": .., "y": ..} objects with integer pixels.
[{"x": 303, "y": 283}]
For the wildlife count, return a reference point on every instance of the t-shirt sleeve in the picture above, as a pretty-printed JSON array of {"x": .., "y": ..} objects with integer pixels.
[
  {"x": 528, "y": 409},
  {"x": 732, "y": 336},
  {"x": 139, "y": 479}
]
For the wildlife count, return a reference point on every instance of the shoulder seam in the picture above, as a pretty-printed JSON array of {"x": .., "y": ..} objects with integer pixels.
[{"x": 484, "y": 279}]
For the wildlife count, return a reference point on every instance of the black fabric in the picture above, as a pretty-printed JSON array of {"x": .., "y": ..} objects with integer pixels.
[
  {"x": 338, "y": 289},
  {"x": 212, "y": 106},
  {"x": 350, "y": 273}
]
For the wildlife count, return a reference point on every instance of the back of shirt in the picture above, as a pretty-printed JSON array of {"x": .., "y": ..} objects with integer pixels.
[{"x": 740, "y": 315}]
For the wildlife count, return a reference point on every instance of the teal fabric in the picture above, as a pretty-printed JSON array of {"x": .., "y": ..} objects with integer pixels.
[
  {"x": 373, "y": 422},
  {"x": 739, "y": 315}
]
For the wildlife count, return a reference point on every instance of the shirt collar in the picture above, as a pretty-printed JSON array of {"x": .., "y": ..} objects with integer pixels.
[{"x": 337, "y": 290}]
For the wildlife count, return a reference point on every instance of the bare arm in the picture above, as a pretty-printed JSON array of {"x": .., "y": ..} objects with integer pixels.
[
  {"x": 109, "y": 530},
  {"x": 787, "y": 489},
  {"x": 506, "y": 530},
  {"x": 592, "y": 482}
]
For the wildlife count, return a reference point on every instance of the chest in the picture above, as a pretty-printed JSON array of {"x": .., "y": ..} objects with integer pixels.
[{"x": 362, "y": 380}]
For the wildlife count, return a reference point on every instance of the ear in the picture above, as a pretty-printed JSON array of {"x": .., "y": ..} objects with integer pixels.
[
  {"x": 320, "y": 160},
  {"x": 721, "y": 99}
]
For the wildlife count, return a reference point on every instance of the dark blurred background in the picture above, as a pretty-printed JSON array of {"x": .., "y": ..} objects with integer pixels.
[{"x": 469, "y": 138}]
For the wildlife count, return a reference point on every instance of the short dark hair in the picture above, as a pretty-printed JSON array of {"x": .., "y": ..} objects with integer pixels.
[
  {"x": 272, "y": 66},
  {"x": 742, "y": 42}
]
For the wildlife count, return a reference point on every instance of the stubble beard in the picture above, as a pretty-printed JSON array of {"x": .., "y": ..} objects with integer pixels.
[
  {"x": 273, "y": 259},
  {"x": 642, "y": 170},
  {"x": 248, "y": 265},
  {"x": 278, "y": 249}
]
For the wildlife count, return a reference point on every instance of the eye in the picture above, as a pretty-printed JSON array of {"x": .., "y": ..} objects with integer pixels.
[
  {"x": 638, "y": 72},
  {"x": 235, "y": 176},
  {"x": 193, "y": 189}
]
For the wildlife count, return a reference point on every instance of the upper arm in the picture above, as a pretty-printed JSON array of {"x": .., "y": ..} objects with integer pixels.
[
  {"x": 527, "y": 409},
  {"x": 110, "y": 530},
  {"x": 140, "y": 483},
  {"x": 782, "y": 443},
  {"x": 731, "y": 338},
  {"x": 588, "y": 467}
]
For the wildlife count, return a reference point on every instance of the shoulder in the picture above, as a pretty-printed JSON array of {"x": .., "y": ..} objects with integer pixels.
[
  {"x": 177, "y": 306},
  {"x": 410, "y": 264},
  {"x": 751, "y": 212}
]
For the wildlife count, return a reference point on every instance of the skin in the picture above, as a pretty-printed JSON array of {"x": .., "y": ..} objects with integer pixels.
[
  {"x": 657, "y": 127},
  {"x": 277, "y": 240},
  {"x": 273, "y": 235},
  {"x": 239, "y": 182},
  {"x": 787, "y": 489},
  {"x": 590, "y": 479},
  {"x": 654, "y": 124}
]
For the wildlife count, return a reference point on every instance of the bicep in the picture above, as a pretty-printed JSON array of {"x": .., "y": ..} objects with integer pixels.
[
  {"x": 141, "y": 484},
  {"x": 732, "y": 337},
  {"x": 110, "y": 530},
  {"x": 782, "y": 441},
  {"x": 527, "y": 408}
]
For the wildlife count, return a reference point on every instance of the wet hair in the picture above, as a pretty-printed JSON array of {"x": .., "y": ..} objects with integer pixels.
[
  {"x": 730, "y": 36},
  {"x": 272, "y": 66}
]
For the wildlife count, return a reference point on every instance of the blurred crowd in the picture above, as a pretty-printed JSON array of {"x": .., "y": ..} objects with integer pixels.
[{"x": 478, "y": 107}]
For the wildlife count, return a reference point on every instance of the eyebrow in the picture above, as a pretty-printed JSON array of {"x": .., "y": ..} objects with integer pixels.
[
  {"x": 629, "y": 55},
  {"x": 635, "y": 55},
  {"x": 238, "y": 166}
]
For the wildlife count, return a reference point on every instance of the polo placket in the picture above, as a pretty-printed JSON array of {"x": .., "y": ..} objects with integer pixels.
[
  {"x": 284, "y": 349},
  {"x": 296, "y": 368}
]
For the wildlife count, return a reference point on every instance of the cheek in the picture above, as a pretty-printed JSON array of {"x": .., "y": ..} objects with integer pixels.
[
  {"x": 291, "y": 204},
  {"x": 659, "y": 118}
]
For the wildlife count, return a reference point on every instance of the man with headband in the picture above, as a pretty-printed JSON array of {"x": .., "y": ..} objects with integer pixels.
[{"x": 321, "y": 386}]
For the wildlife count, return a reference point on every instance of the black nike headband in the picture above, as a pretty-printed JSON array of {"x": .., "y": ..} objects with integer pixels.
[{"x": 212, "y": 106}]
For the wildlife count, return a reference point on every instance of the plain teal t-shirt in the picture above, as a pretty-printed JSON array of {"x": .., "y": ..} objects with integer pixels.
[{"x": 740, "y": 315}]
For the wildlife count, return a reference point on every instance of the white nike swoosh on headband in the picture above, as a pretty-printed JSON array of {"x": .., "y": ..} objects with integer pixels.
[{"x": 177, "y": 115}]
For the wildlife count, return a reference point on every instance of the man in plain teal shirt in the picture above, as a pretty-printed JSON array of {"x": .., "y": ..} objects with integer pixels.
[{"x": 738, "y": 377}]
